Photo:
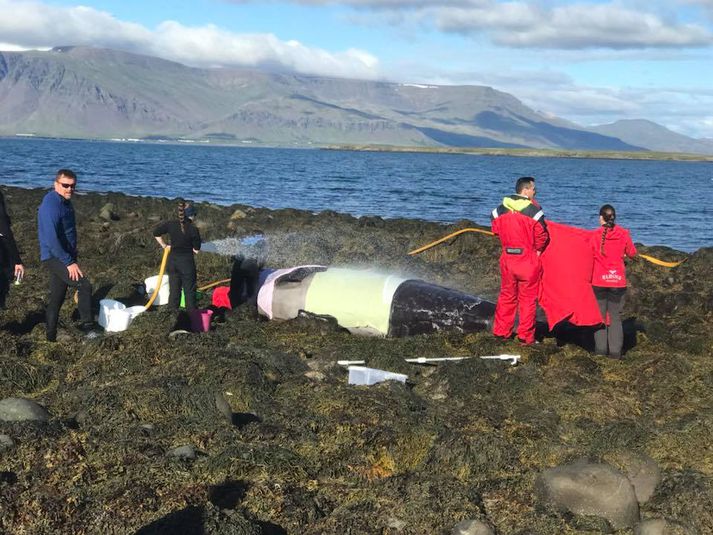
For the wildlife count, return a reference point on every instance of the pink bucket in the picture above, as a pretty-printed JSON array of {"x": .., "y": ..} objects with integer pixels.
[{"x": 200, "y": 320}]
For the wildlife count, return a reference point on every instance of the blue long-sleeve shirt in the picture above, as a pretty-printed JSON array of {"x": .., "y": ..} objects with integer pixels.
[{"x": 57, "y": 229}]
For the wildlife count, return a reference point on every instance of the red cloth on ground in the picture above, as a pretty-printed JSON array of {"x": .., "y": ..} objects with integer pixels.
[
  {"x": 220, "y": 297},
  {"x": 566, "y": 291}
]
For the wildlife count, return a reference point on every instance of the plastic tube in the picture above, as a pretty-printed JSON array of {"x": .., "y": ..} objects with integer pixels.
[
  {"x": 425, "y": 360},
  {"x": 660, "y": 262},
  {"x": 648, "y": 258},
  {"x": 161, "y": 271},
  {"x": 452, "y": 235}
]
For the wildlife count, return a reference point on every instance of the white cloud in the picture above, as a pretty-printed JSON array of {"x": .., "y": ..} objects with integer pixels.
[
  {"x": 209, "y": 45},
  {"x": 680, "y": 109},
  {"x": 35, "y": 25},
  {"x": 510, "y": 80},
  {"x": 11, "y": 47},
  {"x": 577, "y": 26},
  {"x": 533, "y": 24}
]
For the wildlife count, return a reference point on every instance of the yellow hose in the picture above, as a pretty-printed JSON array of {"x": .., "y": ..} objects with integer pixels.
[
  {"x": 166, "y": 250},
  {"x": 160, "y": 278},
  {"x": 661, "y": 262},
  {"x": 446, "y": 238},
  {"x": 209, "y": 286},
  {"x": 489, "y": 233}
]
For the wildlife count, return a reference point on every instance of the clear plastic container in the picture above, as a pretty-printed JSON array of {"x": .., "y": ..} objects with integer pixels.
[{"x": 361, "y": 375}]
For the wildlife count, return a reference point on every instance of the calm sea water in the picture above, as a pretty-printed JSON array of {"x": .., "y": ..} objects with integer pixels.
[{"x": 663, "y": 203}]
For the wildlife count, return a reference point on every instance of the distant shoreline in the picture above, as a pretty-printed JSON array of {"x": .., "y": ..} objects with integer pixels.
[
  {"x": 534, "y": 153},
  {"x": 522, "y": 153}
]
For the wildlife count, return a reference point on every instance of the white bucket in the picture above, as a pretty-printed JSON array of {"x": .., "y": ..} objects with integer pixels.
[
  {"x": 113, "y": 316},
  {"x": 361, "y": 375},
  {"x": 162, "y": 297}
]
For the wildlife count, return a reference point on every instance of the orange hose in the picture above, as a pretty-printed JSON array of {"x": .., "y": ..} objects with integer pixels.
[
  {"x": 661, "y": 262},
  {"x": 446, "y": 238},
  {"x": 161, "y": 271},
  {"x": 648, "y": 258}
]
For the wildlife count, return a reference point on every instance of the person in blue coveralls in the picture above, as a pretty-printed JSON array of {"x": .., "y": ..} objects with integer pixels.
[{"x": 57, "y": 231}]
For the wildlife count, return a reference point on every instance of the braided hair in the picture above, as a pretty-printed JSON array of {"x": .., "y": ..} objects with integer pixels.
[
  {"x": 608, "y": 214},
  {"x": 182, "y": 215}
]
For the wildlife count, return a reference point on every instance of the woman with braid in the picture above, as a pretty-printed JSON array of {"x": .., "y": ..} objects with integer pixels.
[
  {"x": 181, "y": 266},
  {"x": 610, "y": 244}
]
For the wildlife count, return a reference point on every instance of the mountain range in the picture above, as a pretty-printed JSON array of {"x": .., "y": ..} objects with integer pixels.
[{"x": 84, "y": 92}]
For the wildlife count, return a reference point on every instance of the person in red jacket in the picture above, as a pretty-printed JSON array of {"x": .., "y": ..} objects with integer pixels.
[
  {"x": 519, "y": 222},
  {"x": 610, "y": 244}
]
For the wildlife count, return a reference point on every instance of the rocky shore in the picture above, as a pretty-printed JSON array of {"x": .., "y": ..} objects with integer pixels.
[{"x": 251, "y": 428}]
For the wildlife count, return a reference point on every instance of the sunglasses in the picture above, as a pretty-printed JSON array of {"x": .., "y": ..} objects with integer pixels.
[{"x": 67, "y": 186}]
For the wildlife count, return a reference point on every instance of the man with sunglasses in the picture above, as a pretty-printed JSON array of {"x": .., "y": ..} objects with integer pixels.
[{"x": 57, "y": 231}]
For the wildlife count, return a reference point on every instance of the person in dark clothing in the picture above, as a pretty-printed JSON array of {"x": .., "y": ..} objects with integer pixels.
[
  {"x": 57, "y": 231},
  {"x": 244, "y": 283},
  {"x": 181, "y": 265},
  {"x": 10, "y": 261},
  {"x": 610, "y": 245},
  {"x": 245, "y": 275},
  {"x": 519, "y": 222}
]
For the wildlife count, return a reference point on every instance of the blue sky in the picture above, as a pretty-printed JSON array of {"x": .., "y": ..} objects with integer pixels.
[{"x": 590, "y": 62}]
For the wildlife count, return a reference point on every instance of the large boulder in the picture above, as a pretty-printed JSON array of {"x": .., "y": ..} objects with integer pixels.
[
  {"x": 590, "y": 489},
  {"x": 107, "y": 213},
  {"x": 187, "y": 452},
  {"x": 6, "y": 442},
  {"x": 471, "y": 527},
  {"x": 20, "y": 409},
  {"x": 641, "y": 470},
  {"x": 659, "y": 526}
]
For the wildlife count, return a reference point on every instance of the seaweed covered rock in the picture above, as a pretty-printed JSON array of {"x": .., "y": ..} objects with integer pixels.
[
  {"x": 107, "y": 213},
  {"x": 641, "y": 470},
  {"x": 202, "y": 520},
  {"x": 659, "y": 526},
  {"x": 19, "y": 409},
  {"x": 471, "y": 527},
  {"x": 6, "y": 442},
  {"x": 590, "y": 489}
]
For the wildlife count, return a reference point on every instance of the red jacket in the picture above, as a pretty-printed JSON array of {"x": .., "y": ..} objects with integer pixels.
[
  {"x": 609, "y": 270},
  {"x": 520, "y": 225}
]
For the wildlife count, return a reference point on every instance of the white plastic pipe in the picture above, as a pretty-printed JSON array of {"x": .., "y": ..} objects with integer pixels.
[
  {"x": 425, "y": 360},
  {"x": 514, "y": 359}
]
